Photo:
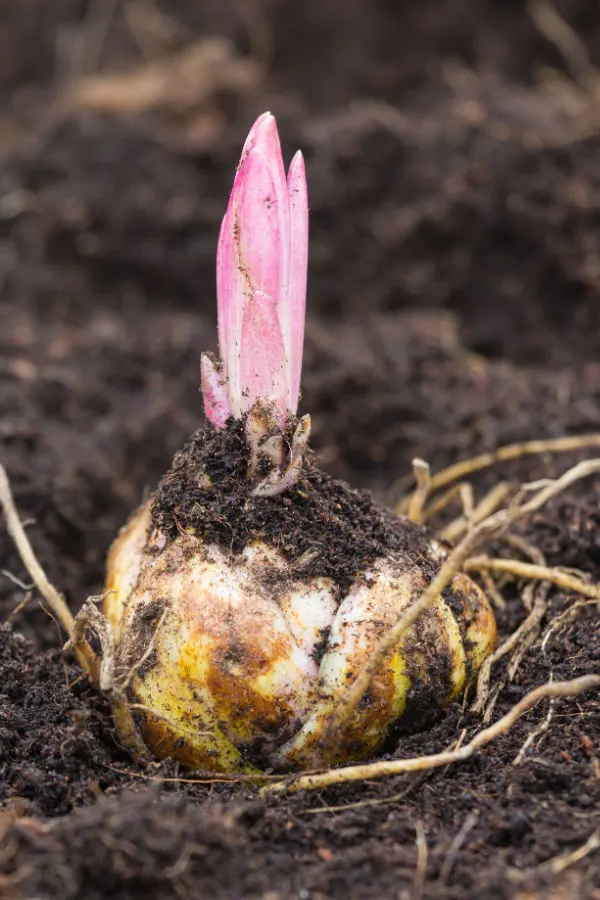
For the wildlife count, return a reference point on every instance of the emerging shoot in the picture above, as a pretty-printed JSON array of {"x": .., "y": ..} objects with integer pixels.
[
  {"x": 261, "y": 301},
  {"x": 248, "y": 594}
]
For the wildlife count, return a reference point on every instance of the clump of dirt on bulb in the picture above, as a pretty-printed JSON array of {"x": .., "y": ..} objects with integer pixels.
[{"x": 322, "y": 527}]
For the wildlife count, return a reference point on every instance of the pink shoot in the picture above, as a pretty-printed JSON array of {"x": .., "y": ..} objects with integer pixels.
[{"x": 261, "y": 284}]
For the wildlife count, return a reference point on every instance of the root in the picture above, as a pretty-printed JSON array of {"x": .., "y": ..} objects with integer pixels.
[
  {"x": 59, "y": 609},
  {"x": 526, "y": 548},
  {"x": 420, "y": 876},
  {"x": 568, "y": 43},
  {"x": 478, "y": 523},
  {"x": 559, "y": 863},
  {"x": 422, "y": 475},
  {"x": 417, "y": 782},
  {"x": 472, "y": 514},
  {"x": 554, "y": 575},
  {"x": 440, "y": 504},
  {"x": 89, "y": 618},
  {"x": 28, "y": 557},
  {"x": 504, "y": 454},
  {"x": 523, "y": 637},
  {"x": 388, "y": 768},
  {"x": 563, "y": 618},
  {"x": 492, "y": 591},
  {"x": 538, "y": 732},
  {"x": 211, "y": 777}
]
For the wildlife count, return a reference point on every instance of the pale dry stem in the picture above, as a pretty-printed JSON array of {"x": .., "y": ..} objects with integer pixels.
[
  {"x": 58, "y": 607},
  {"x": 440, "y": 503},
  {"x": 388, "y": 768}
]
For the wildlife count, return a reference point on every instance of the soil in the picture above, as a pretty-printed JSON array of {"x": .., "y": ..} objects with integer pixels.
[
  {"x": 454, "y": 181},
  {"x": 322, "y": 527}
]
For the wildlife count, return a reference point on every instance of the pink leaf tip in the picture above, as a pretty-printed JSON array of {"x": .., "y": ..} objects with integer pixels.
[{"x": 262, "y": 259}]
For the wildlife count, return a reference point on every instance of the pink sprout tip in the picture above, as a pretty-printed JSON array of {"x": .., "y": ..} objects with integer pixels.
[{"x": 262, "y": 259}]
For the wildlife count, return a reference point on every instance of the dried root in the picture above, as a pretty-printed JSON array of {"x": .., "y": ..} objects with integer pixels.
[
  {"x": 59, "y": 609},
  {"x": 467, "y": 467},
  {"x": 418, "y": 500},
  {"x": 560, "y": 863},
  {"x": 564, "y": 618},
  {"x": 556, "y": 575},
  {"x": 537, "y": 734},
  {"x": 474, "y": 514},
  {"x": 518, "y": 643},
  {"x": 89, "y": 618},
  {"x": 388, "y": 768}
]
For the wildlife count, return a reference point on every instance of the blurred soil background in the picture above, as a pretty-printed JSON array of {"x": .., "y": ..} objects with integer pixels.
[{"x": 453, "y": 156}]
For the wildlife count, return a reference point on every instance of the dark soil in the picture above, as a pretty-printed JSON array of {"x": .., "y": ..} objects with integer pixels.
[
  {"x": 454, "y": 298},
  {"x": 322, "y": 527}
]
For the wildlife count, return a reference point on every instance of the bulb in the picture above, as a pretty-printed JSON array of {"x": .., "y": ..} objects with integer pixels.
[
  {"x": 236, "y": 655},
  {"x": 250, "y": 591}
]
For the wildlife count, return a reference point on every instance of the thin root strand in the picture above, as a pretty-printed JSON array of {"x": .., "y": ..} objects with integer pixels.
[
  {"x": 388, "y": 768},
  {"x": 533, "y": 572}
]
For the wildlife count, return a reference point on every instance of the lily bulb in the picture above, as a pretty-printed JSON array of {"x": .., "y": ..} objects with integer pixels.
[{"x": 251, "y": 589}]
